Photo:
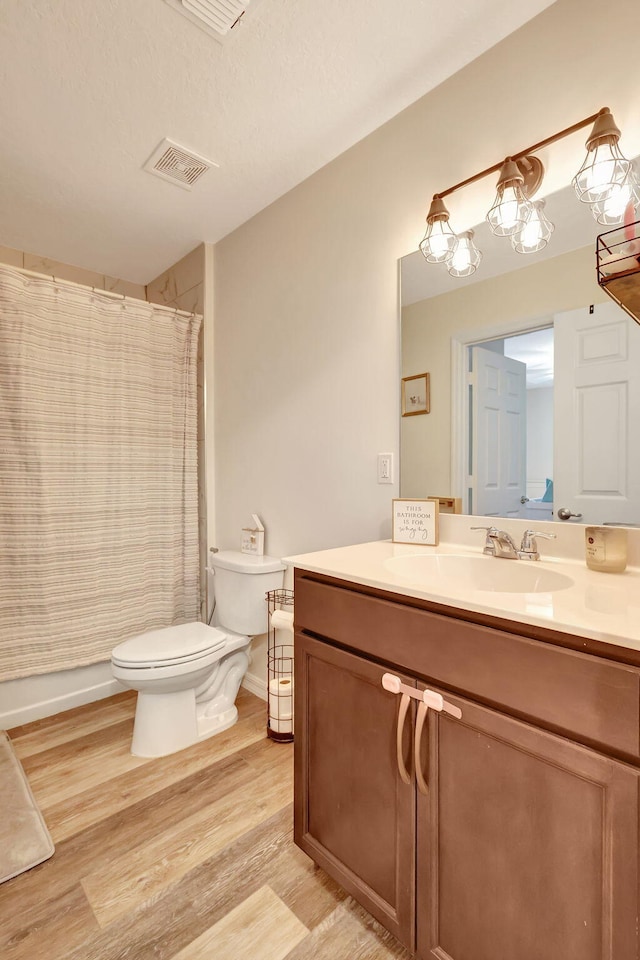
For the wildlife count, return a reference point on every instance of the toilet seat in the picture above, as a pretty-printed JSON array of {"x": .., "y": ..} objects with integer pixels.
[{"x": 180, "y": 645}]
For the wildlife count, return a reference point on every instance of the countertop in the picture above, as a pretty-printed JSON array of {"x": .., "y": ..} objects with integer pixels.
[{"x": 598, "y": 606}]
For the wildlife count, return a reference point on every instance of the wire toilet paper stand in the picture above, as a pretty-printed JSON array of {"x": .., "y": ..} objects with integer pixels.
[{"x": 280, "y": 666}]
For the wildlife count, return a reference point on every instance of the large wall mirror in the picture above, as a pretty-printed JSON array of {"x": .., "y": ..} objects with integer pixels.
[{"x": 534, "y": 381}]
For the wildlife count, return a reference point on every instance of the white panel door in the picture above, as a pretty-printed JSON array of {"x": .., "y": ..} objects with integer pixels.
[
  {"x": 597, "y": 414},
  {"x": 498, "y": 434}
]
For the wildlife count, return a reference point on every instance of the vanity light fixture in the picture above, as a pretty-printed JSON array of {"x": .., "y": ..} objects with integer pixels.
[
  {"x": 536, "y": 233},
  {"x": 439, "y": 241},
  {"x": 606, "y": 181}
]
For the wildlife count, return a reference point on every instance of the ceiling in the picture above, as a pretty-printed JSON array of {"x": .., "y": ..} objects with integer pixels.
[{"x": 90, "y": 89}]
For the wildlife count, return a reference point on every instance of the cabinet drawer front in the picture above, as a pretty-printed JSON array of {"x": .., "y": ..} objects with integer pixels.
[{"x": 587, "y": 698}]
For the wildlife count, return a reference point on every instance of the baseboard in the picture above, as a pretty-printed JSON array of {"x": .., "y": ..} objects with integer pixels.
[
  {"x": 66, "y": 701},
  {"x": 255, "y": 685},
  {"x": 31, "y": 703}
]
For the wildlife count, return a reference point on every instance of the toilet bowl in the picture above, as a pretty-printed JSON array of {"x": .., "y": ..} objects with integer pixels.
[{"x": 187, "y": 676}]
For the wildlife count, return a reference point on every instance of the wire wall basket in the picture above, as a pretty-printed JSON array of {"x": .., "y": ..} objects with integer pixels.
[
  {"x": 280, "y": 666},
  {"x": 618, "y": 263}
]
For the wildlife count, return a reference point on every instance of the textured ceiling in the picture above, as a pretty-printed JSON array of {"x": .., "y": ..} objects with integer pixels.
[{"x": 90, "y": 89}]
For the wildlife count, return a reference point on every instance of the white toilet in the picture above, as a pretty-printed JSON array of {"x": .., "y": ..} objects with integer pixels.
[{"x": 187, "y": 676}]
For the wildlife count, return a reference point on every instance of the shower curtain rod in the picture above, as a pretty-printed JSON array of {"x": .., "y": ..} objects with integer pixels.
[{"x": 103, "y": 293}]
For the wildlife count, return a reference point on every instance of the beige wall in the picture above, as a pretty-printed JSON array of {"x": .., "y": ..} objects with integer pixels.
[
  {"x": 533, "y": 293},
  {"x": 307, "y": 360},
  {"x": 64, "y": 271},
  {"x": 183, "y": 286}
]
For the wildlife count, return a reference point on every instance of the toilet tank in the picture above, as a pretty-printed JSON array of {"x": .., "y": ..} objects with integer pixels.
[{"x": 240, "y": 582}]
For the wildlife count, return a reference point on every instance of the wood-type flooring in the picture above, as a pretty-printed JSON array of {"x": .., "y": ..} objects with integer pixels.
[{"x": 186, "y": 857}]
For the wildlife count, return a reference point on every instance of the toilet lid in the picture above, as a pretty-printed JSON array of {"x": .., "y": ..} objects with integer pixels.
[{"x": 170, "y": 645}]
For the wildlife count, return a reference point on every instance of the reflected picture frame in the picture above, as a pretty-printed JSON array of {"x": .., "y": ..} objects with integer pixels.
[{"x": 415, "y": 395}]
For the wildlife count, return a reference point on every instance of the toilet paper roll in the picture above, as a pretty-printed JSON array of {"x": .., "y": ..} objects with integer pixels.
[
  {"x": 281, "y": 726},
  {"x": 282, "y": 620},
  {"x": 281, "y": 704}
]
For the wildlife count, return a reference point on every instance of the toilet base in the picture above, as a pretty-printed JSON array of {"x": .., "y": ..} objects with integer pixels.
[
  {"x": 208, "y": 726},
  {"x": 167, "y": 723}
]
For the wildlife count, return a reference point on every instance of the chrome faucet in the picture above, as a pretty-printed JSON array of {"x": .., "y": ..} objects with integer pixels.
[
  {"x": 503, "y": 545},
  {"x": 499, "y": 543},
  {"x": 529, "y": 547}
]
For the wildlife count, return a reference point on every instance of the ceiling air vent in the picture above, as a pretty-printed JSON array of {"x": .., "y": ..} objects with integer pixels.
[
  {"x": 177, "y": 164},
  {"x": 217, "y": 17}
]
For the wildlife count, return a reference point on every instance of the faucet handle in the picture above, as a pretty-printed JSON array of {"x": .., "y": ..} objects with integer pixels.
[
  {"x": 489, "y": 545},
  {"x": 529, "y": 544}
]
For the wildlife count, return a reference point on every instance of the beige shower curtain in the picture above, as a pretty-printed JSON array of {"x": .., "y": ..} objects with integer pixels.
[{"x": 98, "y": 472}]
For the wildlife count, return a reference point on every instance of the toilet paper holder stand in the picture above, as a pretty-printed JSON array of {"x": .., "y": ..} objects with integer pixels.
[{"x": 280, "y": 665}]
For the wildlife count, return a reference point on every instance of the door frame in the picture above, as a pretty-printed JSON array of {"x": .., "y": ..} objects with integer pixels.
[{"x": 460, "y": 342}]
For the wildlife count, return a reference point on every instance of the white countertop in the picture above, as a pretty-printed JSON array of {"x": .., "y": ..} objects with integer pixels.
[{"x": 599, "y": 606}]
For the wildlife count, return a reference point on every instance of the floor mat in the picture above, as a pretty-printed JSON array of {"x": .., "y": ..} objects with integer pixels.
[{"x": 24, "y": 838}]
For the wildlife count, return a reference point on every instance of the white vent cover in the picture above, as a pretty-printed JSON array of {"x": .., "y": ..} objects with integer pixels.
[
  {"x": 177, "y": 164},
  {"x": 217, "y": 17}
]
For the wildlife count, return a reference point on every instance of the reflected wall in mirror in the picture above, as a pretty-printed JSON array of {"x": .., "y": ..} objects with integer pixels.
[{"x": 535, "y": 383}]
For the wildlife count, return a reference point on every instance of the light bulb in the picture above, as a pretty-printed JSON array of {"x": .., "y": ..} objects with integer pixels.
[
  {"x": 600, "y": 175},
  {"x": 511, "y": 208},
  {"x": 610, "y": 211},
  {"x": 536, "y": 232},
  {"x": 466, "y": 256}
]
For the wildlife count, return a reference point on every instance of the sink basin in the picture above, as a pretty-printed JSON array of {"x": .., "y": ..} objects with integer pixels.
[{"x": 487, "y": 574}]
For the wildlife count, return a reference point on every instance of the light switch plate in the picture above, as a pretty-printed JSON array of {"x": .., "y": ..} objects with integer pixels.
[{"x": 385, "y": 468}]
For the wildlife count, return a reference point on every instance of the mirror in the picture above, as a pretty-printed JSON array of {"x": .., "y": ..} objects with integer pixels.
[{"x": 441, "y": 453}]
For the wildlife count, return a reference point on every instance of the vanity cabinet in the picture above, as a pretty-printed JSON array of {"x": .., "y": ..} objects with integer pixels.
[{"x": 522, "y": 840}]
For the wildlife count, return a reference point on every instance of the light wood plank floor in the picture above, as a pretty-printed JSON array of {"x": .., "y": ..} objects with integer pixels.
[{"x": 188, "y": 857}]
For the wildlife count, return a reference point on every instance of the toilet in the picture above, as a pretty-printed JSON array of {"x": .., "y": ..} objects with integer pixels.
[{"x": 187, "y": 676}]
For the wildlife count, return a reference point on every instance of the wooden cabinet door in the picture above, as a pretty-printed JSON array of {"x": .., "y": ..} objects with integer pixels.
[
  {"x": 354, "y": 815},
  {"x": 527, "y": 845}
]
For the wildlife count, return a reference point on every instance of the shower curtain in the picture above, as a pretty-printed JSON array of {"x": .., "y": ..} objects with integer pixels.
[{"x": 98, "y": 472}]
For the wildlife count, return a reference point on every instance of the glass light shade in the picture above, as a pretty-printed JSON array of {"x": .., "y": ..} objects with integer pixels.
[
  {"x": 610, "y": 212},
  {"x": 511, "y": 208},
  {"x": 439, "y": 242},
  {"x": 603, "y": 172},
  {"x": 536, "y": 232},
  {"x": 466, "y": 256}
]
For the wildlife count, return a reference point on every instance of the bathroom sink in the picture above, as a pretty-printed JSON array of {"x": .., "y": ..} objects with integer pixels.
[{"x": 483, "y": 573}]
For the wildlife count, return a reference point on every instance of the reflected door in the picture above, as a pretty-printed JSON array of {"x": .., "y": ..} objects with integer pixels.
[
  {"x": 597, "y": 412},
  {"x": 497, "y": 455}
]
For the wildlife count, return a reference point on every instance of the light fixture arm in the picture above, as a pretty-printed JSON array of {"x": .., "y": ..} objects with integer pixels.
[{"x": 529, "y": 150}]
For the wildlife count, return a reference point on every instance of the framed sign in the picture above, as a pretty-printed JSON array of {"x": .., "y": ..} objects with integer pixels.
[
  {"x": 415, "y": 521},
  {"x": 415, "y": 395}
]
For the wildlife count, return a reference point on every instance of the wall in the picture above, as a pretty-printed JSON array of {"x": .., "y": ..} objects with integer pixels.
[
  {"x": 183, "y": 286},
  {"x": 40, "y": 264},
  {"x": 531, "y": 293},
  {"x": 539, "y": 440}
]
